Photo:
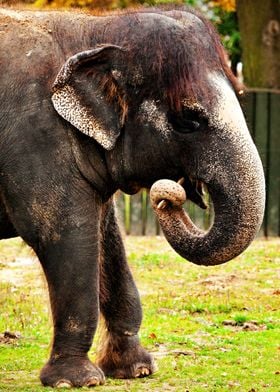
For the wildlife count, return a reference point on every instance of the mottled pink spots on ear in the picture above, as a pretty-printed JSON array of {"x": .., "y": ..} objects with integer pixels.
[{"x": 67, "y": 103}]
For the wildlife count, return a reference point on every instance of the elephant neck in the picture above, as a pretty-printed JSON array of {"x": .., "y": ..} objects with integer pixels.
[{"x": 91, "y": 162}]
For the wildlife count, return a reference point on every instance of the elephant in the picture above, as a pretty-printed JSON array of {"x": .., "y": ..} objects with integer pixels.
[{"x": 94, "y": 104}]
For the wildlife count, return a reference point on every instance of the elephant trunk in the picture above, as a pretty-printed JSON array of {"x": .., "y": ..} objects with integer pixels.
[{"x": 238, "y": 199}]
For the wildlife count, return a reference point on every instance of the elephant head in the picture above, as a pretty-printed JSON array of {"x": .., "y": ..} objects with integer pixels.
[{"x": 157, "y": 95}]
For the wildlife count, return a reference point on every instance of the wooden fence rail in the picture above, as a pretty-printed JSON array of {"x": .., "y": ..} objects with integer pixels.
[{"x": 262, "y": 111}]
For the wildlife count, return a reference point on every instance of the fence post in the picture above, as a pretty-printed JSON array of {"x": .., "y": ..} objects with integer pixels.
[
  {"x": 127, "y": 213},
  {"x": 144, "y": 212}
]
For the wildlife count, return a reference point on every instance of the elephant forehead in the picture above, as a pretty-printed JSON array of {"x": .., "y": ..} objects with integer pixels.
[
  {"x": 169, "y": 55},
  {"x": 12, "y": 14}
]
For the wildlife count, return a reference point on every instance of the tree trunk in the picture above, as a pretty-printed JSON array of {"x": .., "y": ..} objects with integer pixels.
[{"x": 259, "y": 23}]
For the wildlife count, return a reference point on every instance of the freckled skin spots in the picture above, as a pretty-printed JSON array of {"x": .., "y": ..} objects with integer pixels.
[
  {"x": 223, "y": 113},
  {"x": 150, "y": 113},
  {"x": 67, "y": 104}
]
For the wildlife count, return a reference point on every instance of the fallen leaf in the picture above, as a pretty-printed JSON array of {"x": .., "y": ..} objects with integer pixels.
[
  {"x": 233, "y": 384},
  {"x": 232, "y": 323},
  {"x": 9, "y": 337},
  {"x": 224, "y": 350},
  {"x": 251, "y": 326},
  {"x": 12, "y": 335},
  {"x": 177, "y": 353}
]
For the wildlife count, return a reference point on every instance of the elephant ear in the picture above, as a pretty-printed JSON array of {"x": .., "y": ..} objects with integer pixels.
[{"x": 81, "y": 94}]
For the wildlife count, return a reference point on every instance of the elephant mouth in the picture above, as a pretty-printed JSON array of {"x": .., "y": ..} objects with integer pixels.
[{"x": 195, "y": 191}]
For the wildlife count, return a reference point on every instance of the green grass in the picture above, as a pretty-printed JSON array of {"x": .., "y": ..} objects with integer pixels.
[{"x": 210, "y": 329}]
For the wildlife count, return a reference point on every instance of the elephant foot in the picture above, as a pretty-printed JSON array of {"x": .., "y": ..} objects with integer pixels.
[
  {"x": 71, "y": 372},
  {"x": 123, "y": 357}
]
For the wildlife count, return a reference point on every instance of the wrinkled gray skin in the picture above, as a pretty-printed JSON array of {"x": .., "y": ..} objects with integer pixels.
[
  {"x": 85, "y": 110},
  {"x": 223, "y": 158}
]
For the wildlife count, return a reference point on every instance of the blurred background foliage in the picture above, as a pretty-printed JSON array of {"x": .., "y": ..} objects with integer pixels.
[{"x": 221, "y": 12}]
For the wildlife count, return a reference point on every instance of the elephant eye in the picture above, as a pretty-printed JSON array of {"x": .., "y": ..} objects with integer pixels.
[
  {"x": 188, "y": 126},
  {"x": 185, "y": 122}
]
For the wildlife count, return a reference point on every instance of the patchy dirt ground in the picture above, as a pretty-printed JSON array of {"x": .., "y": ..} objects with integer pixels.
[{"x": 17, "y": 272}]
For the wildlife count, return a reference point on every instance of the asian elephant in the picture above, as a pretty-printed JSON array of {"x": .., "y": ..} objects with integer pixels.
[{"x": 90, "y": 105}]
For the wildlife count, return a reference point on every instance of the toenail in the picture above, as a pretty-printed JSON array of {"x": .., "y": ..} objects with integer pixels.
[
  {"x": 92, "y": 382},
  {"x": 63, "y": 384}
]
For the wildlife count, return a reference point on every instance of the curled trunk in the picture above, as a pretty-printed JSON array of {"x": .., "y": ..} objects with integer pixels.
[{"x": 237, "y": 220}]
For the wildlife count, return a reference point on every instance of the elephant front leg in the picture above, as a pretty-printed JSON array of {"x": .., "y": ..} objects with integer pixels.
[
  {"x": 71, "y": 268},
  {"x": 121, "y": 355}
]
